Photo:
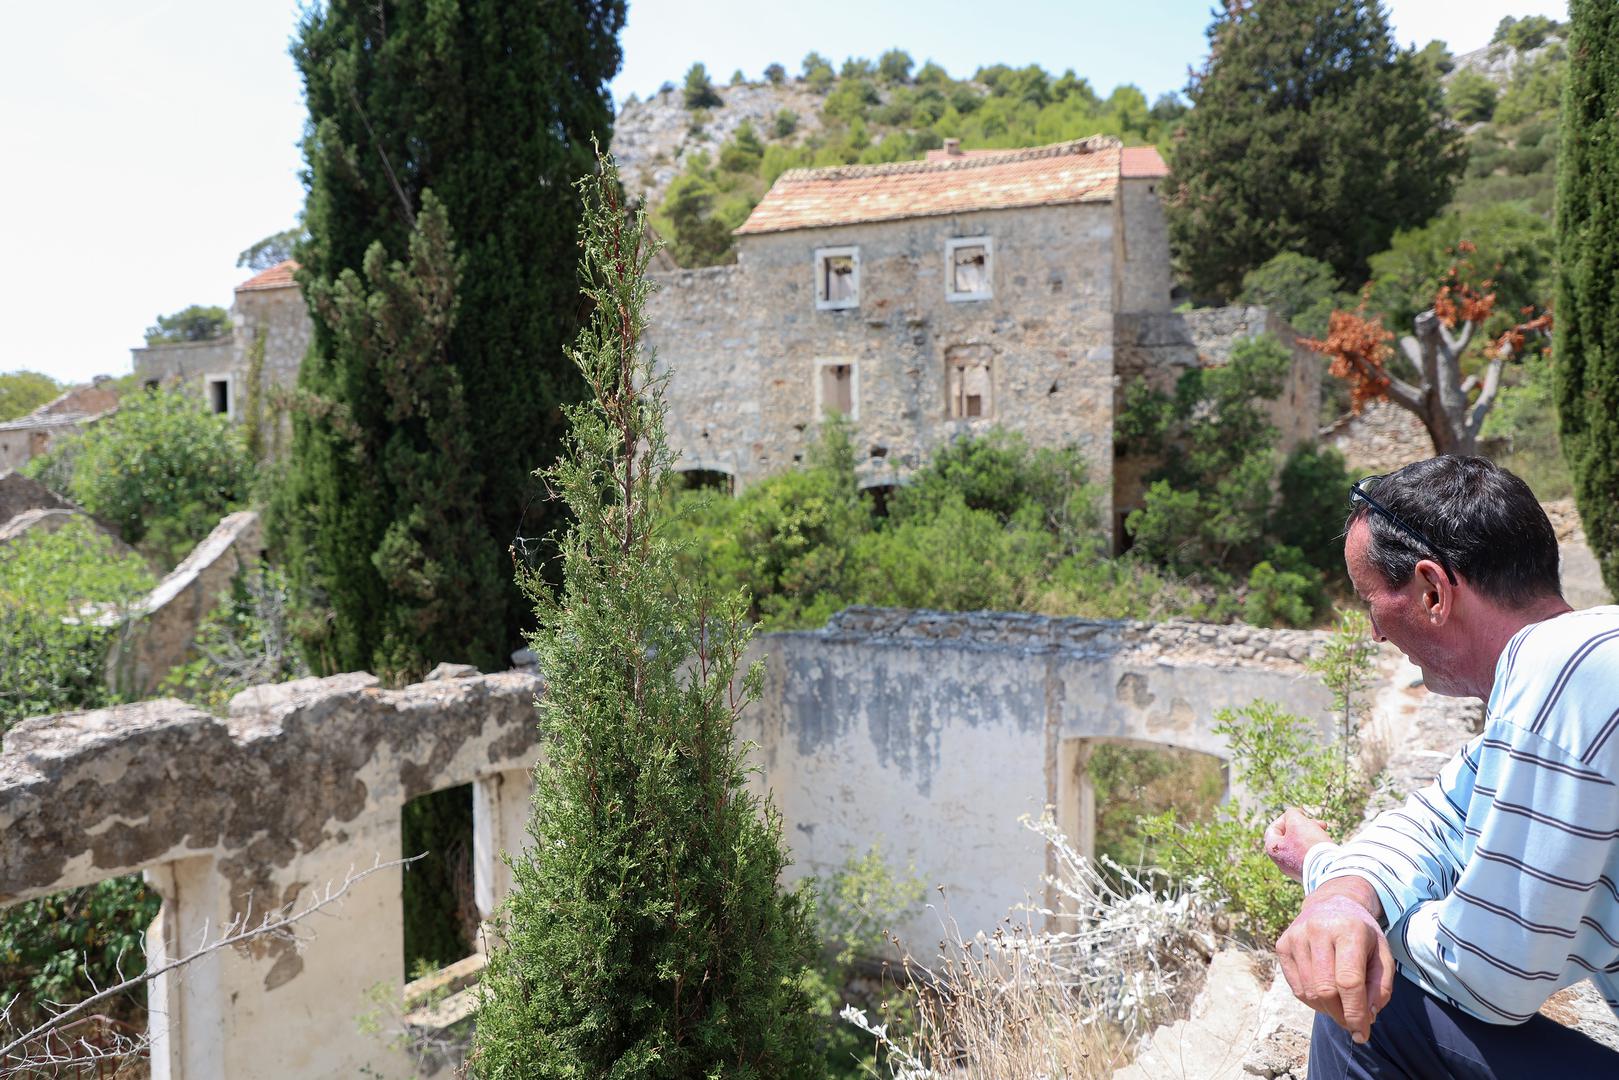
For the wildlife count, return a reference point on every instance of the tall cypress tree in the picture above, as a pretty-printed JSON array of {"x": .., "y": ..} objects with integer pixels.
[
  {"x": 491, "y": 105},
  {"x": 646, "y": 935},
  {"x": 1312, "y": 133},
  {"x": 1587, "y": 326}
]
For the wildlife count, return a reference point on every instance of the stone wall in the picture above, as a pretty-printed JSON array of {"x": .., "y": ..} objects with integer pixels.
[
  {"x": 930, "y": 734},
  {"x": 1143, "y": 252},
  {"x": 744, "y": 344},
  {"x": 184, "y": 363},
  {"x": 927, "y": 734},
  {"x": 301, "y": 787},
  {"x": 163, "y": 624},
  {"x": 69, "y": 413}
]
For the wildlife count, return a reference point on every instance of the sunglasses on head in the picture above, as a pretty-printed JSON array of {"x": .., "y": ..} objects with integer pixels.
[{"x": 1357, "y": 491}]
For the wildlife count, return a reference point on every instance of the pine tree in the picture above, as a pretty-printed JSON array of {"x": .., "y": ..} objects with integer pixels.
[
  {"x": 646, "y": 935},
  {"x": 1587, "y": 339},
  {"x": 1312, "y": 133},
  {"x": 491, "y": 104}
]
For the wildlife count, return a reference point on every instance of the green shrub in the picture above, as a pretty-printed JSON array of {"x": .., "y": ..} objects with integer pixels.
[
  {"x": 55, "y": 589},
  {"x": 162, "y": 469},
  {"x": 60, "y": 949},
  {"x": 1277, "y": 760}
]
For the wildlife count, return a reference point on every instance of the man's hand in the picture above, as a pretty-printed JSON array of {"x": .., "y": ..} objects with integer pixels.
[
  {"x": 1290, "y": 837},
  {"x": 1335, "y": 957}
]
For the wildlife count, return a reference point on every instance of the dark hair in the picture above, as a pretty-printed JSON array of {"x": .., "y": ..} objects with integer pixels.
[{"x": 1486, "y": 522}]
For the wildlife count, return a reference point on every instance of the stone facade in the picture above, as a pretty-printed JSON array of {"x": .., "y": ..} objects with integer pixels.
[
  {"x": 248, "y": 375},
  {"x": 748, "y": 350},
  {"x": 27, "y": 437},
  {"x": 1075, "y": 305}
]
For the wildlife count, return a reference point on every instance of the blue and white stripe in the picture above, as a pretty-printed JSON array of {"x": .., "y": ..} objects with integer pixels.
[{"x": 1499, "y": 880}]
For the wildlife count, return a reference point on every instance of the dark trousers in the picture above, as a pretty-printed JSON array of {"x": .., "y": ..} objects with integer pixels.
[{"x": 1420, "y": 1037}]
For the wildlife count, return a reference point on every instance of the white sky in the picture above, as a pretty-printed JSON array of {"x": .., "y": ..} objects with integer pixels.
[{"x": 147, "y": 142}]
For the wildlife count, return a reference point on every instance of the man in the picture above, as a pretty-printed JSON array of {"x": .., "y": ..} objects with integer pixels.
[{"x": 1428, "y": 942}]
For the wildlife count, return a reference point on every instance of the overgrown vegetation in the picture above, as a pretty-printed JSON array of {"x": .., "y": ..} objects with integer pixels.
[
  {"x": 988, "y": 524},
  {"x": 245, "y": 641},
  {"x": 647, "y": 934},
  {"x": 62, "y": 948},
  {"x": 1277, "y": 760},
  {"x": 55, "y": 589},
  {"x": 162, "y": 470},
  {"x": 62, "y": 595}
]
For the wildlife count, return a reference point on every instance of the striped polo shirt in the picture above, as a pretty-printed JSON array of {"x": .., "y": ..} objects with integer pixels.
[{"x": 1500, "y": 882}]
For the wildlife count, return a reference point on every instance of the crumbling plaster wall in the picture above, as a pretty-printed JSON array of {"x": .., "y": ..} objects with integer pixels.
[
  {"x": 298, "y": 789},
  {"x": 931, "y": 734},
  {"x": 742, "y": 343}
]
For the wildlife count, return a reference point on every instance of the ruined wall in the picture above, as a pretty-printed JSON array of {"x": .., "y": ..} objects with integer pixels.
[
  {"x": 297, "y": 790},
  {"x": 1161, "y": 347},
  {"x": 744, "y": 342},
  {"x": 69, "y": 413},
  {"x": 1144, "y": 280},
  {"x": 930, "y": 734},
  {"x": 184, "y": 363},
  {"x": 163, "y": 624}
]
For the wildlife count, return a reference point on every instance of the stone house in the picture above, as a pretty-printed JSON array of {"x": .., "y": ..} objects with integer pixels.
[
  {"x": 240, "y": 375},
  {"x": 69, "y": 413},
  {"x": 923, "y": 300},
  {"x": 926, "y": 300}
]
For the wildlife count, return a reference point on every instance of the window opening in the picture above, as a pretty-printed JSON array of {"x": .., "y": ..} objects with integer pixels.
[
  {"x": 969, "y": 383},
  {"x": 837, "y": 389},
  {"x": 967, "y": 268},
  {"x": 837, "y": 278},
  {"x": 219, "y": 395}
]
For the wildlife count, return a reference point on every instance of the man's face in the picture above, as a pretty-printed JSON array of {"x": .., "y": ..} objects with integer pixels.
[{"x": 1403, "y": 615}]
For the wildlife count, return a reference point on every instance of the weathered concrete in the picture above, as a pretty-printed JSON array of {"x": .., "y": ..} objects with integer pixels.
[
  {"x": 932, "y": 733},
  {"x": 164, "y": 623},
  {"x": 297, "y": 790}
]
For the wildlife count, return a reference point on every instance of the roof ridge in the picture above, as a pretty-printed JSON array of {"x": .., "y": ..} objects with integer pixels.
[{"x": 1089, "y": 145}]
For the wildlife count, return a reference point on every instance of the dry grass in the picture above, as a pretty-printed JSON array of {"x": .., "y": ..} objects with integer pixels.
[{"x": 1065, "y": 993}]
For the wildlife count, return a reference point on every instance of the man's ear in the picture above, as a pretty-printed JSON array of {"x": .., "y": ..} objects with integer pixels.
[{"x": 1438, "y": 594}]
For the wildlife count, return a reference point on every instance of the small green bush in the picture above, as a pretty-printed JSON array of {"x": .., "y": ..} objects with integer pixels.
[
  {"x": 61, "y": 597},
  {"x": 162, "y": 469}
]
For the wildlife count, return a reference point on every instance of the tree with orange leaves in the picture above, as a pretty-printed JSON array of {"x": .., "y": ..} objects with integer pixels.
[{"x": 1451, "y": 405}]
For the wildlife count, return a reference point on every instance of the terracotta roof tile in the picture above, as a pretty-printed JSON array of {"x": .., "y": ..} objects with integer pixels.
[
  {"x": 1086, "y": 170},
  {"x": 1142, "y": 163},
  {"x": 278, "y": 276}
]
